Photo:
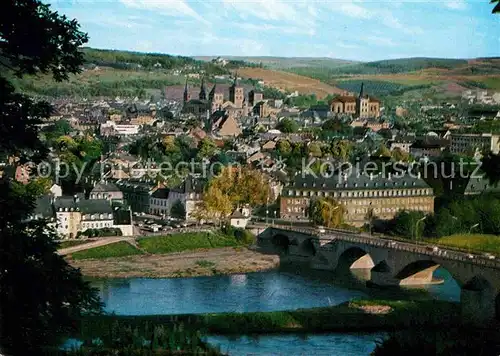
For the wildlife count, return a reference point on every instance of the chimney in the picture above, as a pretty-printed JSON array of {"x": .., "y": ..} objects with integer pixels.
[
  {"x": 371, "y": 176},
  {"x": 418, "y": 175},
  {"x": 390, "y": 176}
]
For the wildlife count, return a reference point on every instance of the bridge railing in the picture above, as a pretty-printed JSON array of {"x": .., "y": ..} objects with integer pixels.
[{"x": 429, "y": 250}]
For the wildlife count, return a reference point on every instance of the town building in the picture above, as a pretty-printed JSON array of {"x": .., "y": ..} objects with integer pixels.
[
  {"x": 72, "y": 215},
  {"x": 106, "y": 190},
  {"x": 137, "y": 193},
  {"x": 159, "y": 204},
  {"x": 358, "y": 193},
  {"x": 465, "y": 143},
  {"x": 111, "y": 128},
  {"x": 428, "y": 146},
  {"x": 189, "y": 193}
]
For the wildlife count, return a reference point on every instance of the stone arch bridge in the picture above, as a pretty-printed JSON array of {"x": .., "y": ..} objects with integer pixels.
[{"x": 393, "y": 263}]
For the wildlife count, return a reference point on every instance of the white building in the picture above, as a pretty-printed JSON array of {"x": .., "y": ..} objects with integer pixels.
[
  {"x": 189, "y": 193},
  {"x": 159, "y": 204},
  {"x": 111, "y": 127}
]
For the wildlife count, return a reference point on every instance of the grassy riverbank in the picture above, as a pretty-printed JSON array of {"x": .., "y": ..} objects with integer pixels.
[
  {"x": 117, "y": 249},
  {"x": 186, "y": 242},
  {"x": 156, "y": 245},
  {"x": 472, "y": 242},
  {"x": 352, "y": 316}
]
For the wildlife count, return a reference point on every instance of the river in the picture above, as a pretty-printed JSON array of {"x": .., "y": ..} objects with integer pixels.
[{"x": 265, "y": 291}]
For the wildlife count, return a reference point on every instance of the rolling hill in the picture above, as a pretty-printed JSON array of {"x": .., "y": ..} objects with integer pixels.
[
  {"x": 112, "y": 73},
  {"x": 289, "y": 81},
  {"x": 286, "y": 62}
]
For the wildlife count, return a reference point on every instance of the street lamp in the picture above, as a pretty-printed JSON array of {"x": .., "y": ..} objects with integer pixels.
[
  {"x": 454, "y": 219},
  {"x": 331, "y": 213},
  {"x": 473, "y": 227},
  {"x": 416, "y": 229},
  {"x": 468, "y": 240}
]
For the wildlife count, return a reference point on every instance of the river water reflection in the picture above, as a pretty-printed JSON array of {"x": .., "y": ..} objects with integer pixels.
[{"x": 265, "y": 291}]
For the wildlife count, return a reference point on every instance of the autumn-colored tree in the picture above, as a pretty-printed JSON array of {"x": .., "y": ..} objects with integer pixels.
[
  {"x": 399, "y": 155},
  {"x": 169, "y": 144},
  {"x": 234, "y": 187},
  {"x": 327, "y": 212}
]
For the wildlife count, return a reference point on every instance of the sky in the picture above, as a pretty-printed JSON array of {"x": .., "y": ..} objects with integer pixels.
[{"x": 364, "y": 30}]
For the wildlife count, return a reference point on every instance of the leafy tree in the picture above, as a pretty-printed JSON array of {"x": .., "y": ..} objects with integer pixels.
[
  {"x": 178, "y": 210},
  {"x": 333, "y": 125},
  {"x": 382, "y": 151},
  {"x": 341, "y": 149},
  {"x": 284, "y": 147},
  {"x": 42, "y": 297},
  {"x": 405, "y": 224},
  {"x": 327, "y": 212},
  {"x": 206, "y": 148},
  {"x": 314, "y": 149},
  {"x": 288, "y": 126}
]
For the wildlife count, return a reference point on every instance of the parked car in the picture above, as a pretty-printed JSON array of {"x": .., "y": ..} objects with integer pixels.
[{"x": 320, "y": 229}]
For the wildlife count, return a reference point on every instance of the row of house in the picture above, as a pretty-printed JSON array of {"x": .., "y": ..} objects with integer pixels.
[
  {"x": 433, "y": 144},
  {"x": 70, "y": 215}
]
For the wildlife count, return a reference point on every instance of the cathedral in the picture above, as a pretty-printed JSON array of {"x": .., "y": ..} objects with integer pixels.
[{"x": 236, "y": 106}]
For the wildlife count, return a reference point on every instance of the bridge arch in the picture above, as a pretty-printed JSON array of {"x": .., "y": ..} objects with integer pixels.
[
  {"x": 281, "y": 243},
  {"x": 307, "y": 248},
  {"x": 355, "y": 258}
]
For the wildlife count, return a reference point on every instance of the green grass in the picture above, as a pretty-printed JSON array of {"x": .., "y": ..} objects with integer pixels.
[
  {"x": 205, "y": 263},
  {"x": 71, "y": 243},
  {"x": 343, "y": 318},
  {"x": 118, "y": 249},
  {"x": 186, "y": 242},
  {"x": 474, "y": 242}
]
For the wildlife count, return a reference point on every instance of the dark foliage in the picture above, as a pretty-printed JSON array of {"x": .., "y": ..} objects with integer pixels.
[{"x": 41, "y": 296}]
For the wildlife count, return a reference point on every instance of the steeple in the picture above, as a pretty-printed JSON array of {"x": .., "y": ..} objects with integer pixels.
[
  {"x": 235, "y": 82},
  {"x": 212, "y": 93},
  {"x": 186, "y": 92},
  {"x": 361, "y": 92},
  {"x": 203, "y": 92}
]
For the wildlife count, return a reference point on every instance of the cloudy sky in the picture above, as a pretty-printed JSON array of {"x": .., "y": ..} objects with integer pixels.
[{"x": 347, "y": 29}]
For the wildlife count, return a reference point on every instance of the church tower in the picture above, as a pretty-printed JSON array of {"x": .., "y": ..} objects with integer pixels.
[
  {"x": 236, "y": 95},
  {"x": 212, "y": 93},
  {"x": 203, "y": 92},
  {"x": 186, "y": 96},
  {"x": 362, "y": 104}
]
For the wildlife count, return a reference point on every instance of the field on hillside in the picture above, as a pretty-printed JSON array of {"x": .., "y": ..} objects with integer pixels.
[
  {"x": 289, "y": 81},
  {"x": 287, "y": 63},
  {"x": 448, "y": 76},
  {"x": 99, "y": 82}
]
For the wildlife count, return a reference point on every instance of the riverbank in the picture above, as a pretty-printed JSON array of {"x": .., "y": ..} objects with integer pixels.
[
  {"x": 202, "y": 262},
  {"x": 354, "y": 316}
]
